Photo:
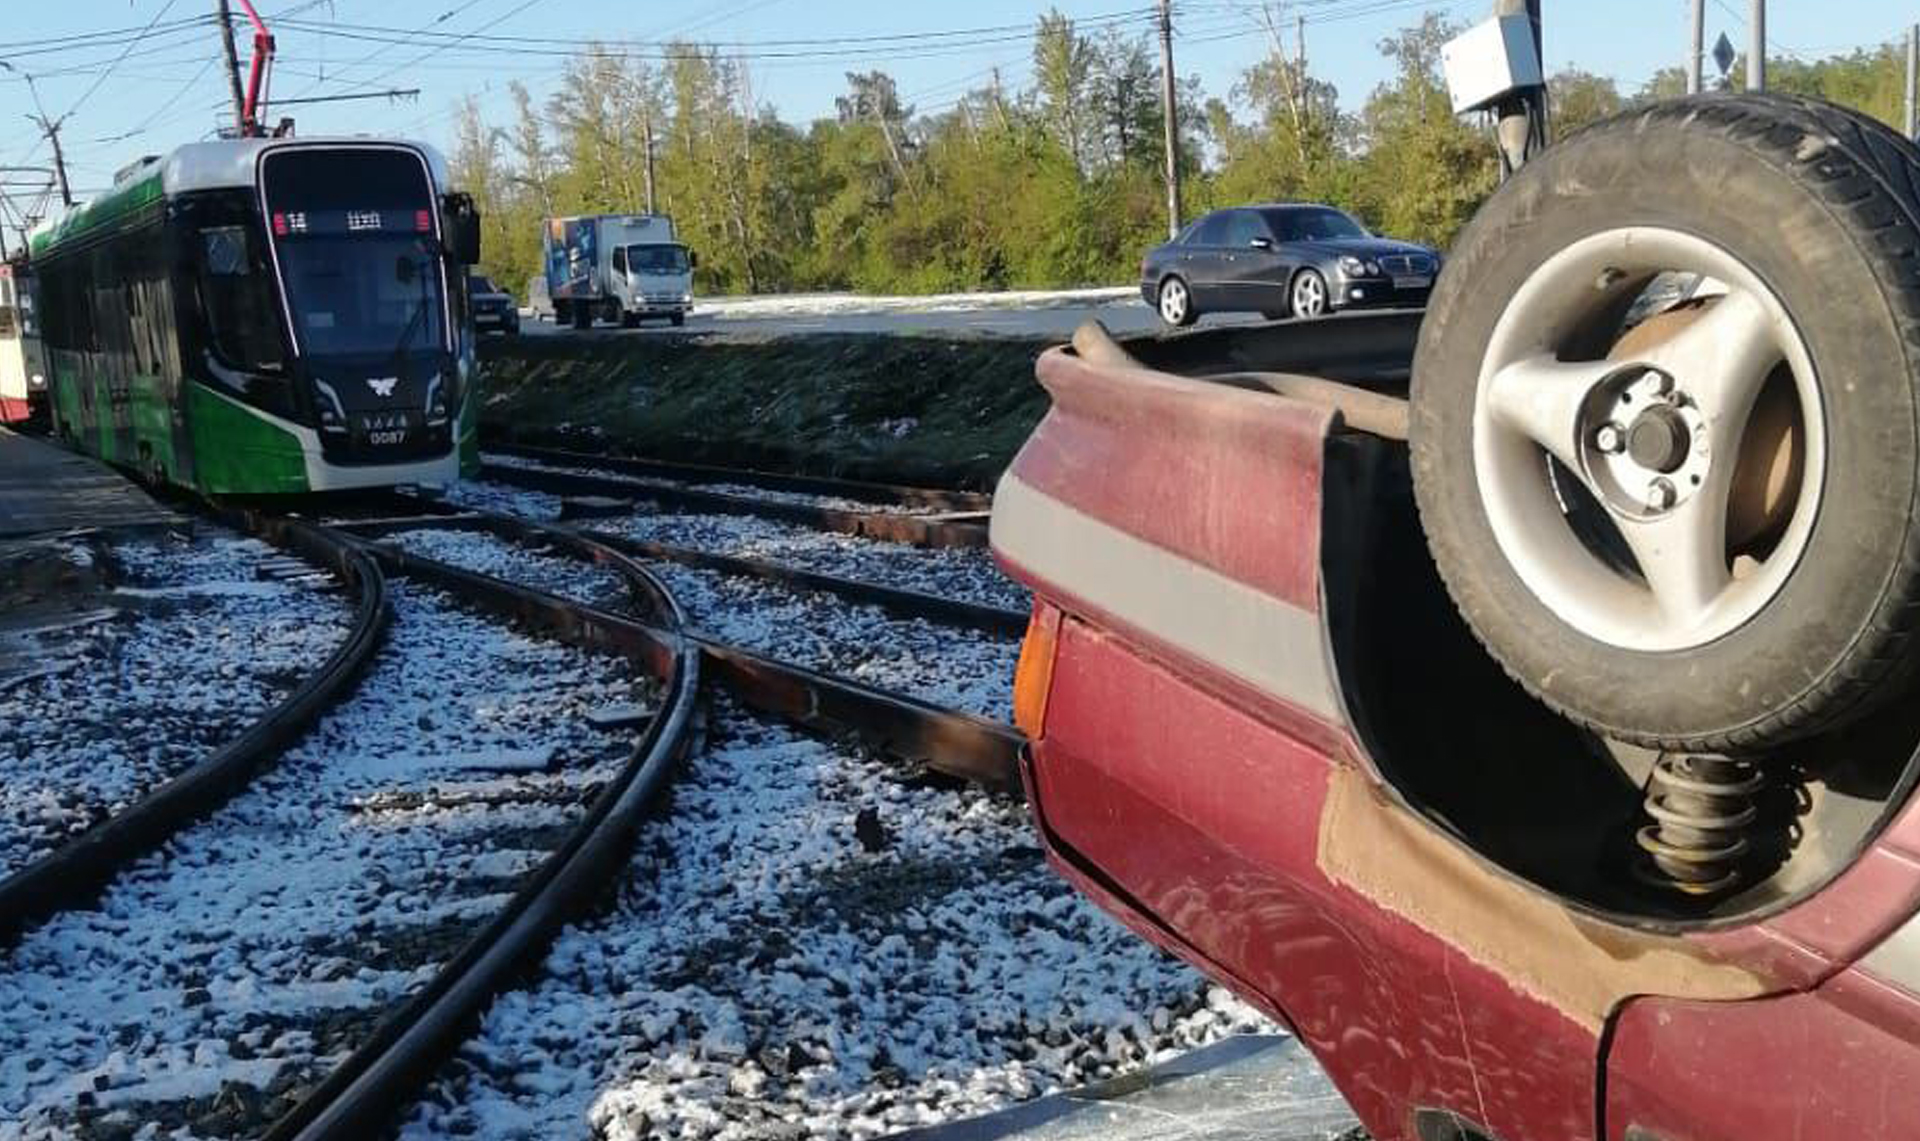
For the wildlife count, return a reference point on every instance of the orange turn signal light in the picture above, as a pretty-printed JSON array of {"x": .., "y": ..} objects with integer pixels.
[{"x": 1033, "y": 680}]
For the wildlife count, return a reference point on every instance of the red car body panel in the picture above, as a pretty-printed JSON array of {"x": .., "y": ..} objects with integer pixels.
[{"x": 1198, "y": 775}]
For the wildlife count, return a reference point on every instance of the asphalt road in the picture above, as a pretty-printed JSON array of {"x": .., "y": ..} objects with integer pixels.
[{"x": 1035, "y": 321}]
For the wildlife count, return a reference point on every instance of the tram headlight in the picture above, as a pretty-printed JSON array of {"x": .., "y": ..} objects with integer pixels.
[{"x": 333, "y": 414}]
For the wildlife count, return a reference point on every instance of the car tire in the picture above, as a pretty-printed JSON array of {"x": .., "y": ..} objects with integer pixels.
[
  {"x": 1308, "y": 297},
  {"x": 1690, "y": 642},
  {"x": 1173, "y": 299},
  {"x": 679, "y": 320}
]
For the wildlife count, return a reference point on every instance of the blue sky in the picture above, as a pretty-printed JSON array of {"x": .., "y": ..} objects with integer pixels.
[{"x": 167, "y": 91}]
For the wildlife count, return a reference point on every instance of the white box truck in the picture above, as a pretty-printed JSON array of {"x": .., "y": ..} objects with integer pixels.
[{"x": 617, "y": 267}]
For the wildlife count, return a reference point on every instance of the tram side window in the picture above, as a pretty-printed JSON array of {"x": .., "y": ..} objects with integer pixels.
[
  {"x": 69, "y": 306},
  {"x": 238, "y": 302}
]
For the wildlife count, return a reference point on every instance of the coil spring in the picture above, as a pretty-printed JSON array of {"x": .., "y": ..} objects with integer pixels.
[{"x": 1702, "y": 808}]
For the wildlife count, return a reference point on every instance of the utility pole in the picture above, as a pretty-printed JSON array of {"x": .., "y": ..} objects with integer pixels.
[
  {"x": 1696, "y": 56},
  {"x": 1522, "y": 130},
  {"x": 1913, "y": 81},
  {"x": 225, "y": 14},
  {"x": 646, "y": 131},
  {"x": 49, "y": 127},
  {"x": 59, "y": 160},
  {"x": 1757, "y": 49},
  {"x": 1170, "y": 115}
]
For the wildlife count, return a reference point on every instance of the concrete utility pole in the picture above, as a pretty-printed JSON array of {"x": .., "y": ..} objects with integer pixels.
[
  {"x": 49, "y": 127},
  {"x": 1913, "y": 81},
  {"x": 646, "y": 123},
  {"x": 1697, "y": 53},
  {"x": 1170, "y": 114},
  {"x": 1757, "y": 49},
  {"x": 1522, "y": 128},
  {"x": 225, "y": 14},
  {"x": 59, "y": 160}
]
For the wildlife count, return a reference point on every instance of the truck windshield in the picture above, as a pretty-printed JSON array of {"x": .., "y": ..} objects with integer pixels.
[
  {"x": 354, "y": 231},
  {"x": 657, "y": 259}
]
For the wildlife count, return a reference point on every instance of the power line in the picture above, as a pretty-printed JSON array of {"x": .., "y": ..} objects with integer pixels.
[{"x": 480, "y": 40}]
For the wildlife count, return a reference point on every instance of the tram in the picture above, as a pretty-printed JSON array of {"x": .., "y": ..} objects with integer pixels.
[
  {"x": 23, "y": 373},
  {"x": 266, "y": 316}
]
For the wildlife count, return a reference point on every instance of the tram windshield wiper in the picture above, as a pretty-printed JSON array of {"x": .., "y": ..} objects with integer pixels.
[{"x": 407, "y": 270}]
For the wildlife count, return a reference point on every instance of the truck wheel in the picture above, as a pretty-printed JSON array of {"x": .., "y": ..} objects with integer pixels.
[
  {"x": 1698, "y": 531},
  {"x": 629, "y": 320}
]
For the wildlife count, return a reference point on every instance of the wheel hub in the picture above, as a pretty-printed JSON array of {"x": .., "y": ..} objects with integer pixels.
[
  {"x": 1649, "y": 452},
  {"x": 1658, "y": 440}
]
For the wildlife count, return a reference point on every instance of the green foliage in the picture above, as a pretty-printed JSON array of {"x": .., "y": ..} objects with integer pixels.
[{"x": 1058, "y": 185}]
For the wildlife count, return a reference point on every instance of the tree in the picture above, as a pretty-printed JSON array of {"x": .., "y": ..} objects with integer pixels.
[
  {"x": 1063, "y": 62},
  {"x": 1426, "y": 172},
  {"x": 1581, "y": 99},
  {"x": 1124, "y": 99}
]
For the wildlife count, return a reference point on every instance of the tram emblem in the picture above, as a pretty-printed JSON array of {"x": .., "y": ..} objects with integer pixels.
[{"x": 383, "y": 386}]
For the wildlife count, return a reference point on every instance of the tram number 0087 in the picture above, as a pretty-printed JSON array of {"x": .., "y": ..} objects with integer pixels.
[{"x": 387, "y": 438}]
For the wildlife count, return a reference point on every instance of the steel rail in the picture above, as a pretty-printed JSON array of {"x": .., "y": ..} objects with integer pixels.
[
  {"x": 947, "y": 741},
  {"x": 961, "y": 529},
  {"x": 360, "y": 1096},
  {"x": 898, "y": 495},
  {"x": 72, "y": 875},
  {"x": 904, "y": 603}
]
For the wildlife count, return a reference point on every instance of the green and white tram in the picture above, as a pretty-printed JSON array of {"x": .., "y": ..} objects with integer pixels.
[{"x": 267, "y": 316}]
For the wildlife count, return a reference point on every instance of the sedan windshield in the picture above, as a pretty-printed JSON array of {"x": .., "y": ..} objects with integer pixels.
[{"x": 1313, "y": 225}]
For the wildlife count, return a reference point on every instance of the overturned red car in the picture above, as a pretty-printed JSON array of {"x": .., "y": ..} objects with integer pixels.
[{"x": 1516, "y": 700}]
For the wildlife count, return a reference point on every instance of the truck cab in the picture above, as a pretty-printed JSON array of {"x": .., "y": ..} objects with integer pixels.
[{"x": 653, "y": 279}]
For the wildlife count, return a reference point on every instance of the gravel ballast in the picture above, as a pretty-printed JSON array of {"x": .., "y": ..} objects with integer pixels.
[
  {"x": 809, "y": 947},
  {"x": 188, "y": 647}
]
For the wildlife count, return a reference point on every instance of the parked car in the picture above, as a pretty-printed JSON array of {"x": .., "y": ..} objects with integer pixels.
[
  {"x": 1283, "y": 260},
  {"x": 494, "y": 310},
  {"x": 1545, "y": 755}
]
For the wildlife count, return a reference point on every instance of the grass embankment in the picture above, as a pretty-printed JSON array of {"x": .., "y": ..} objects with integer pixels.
[{"x": 939, "y": 411}]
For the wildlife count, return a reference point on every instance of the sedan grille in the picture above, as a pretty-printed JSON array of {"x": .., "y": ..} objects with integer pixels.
[{"x": 1407, "y": 263}]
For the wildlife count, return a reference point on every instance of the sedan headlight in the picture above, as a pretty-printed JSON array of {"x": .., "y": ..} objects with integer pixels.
[{"x": 1354, "y": 267}]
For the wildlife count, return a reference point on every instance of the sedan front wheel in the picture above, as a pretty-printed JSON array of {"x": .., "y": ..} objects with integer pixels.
[{"x": 1310, "y": 295}]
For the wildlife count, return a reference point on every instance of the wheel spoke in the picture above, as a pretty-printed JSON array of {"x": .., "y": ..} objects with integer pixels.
[
  {"x": 1721, "y": 361},
  {"x": 1540, "y": 397},
  {"x": 1683, "y": 554}
]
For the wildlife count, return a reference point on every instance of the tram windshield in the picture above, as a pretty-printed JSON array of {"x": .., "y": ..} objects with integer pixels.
[{"x": 353, "y": 232}]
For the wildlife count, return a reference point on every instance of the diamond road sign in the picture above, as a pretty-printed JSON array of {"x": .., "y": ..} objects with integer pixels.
[{"x": 1723, "y": 54}]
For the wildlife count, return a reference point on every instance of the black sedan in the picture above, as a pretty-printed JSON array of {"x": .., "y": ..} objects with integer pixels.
[
  {"x": 494, "y": 309},
  {"x": 1283, "y": 261}
]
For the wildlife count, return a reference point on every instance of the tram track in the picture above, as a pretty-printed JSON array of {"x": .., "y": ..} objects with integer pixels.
[
  {"x": 71, "y": 874},
  {"x": 964, "y": 744},
  {"x": 913, "y": 516}
]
